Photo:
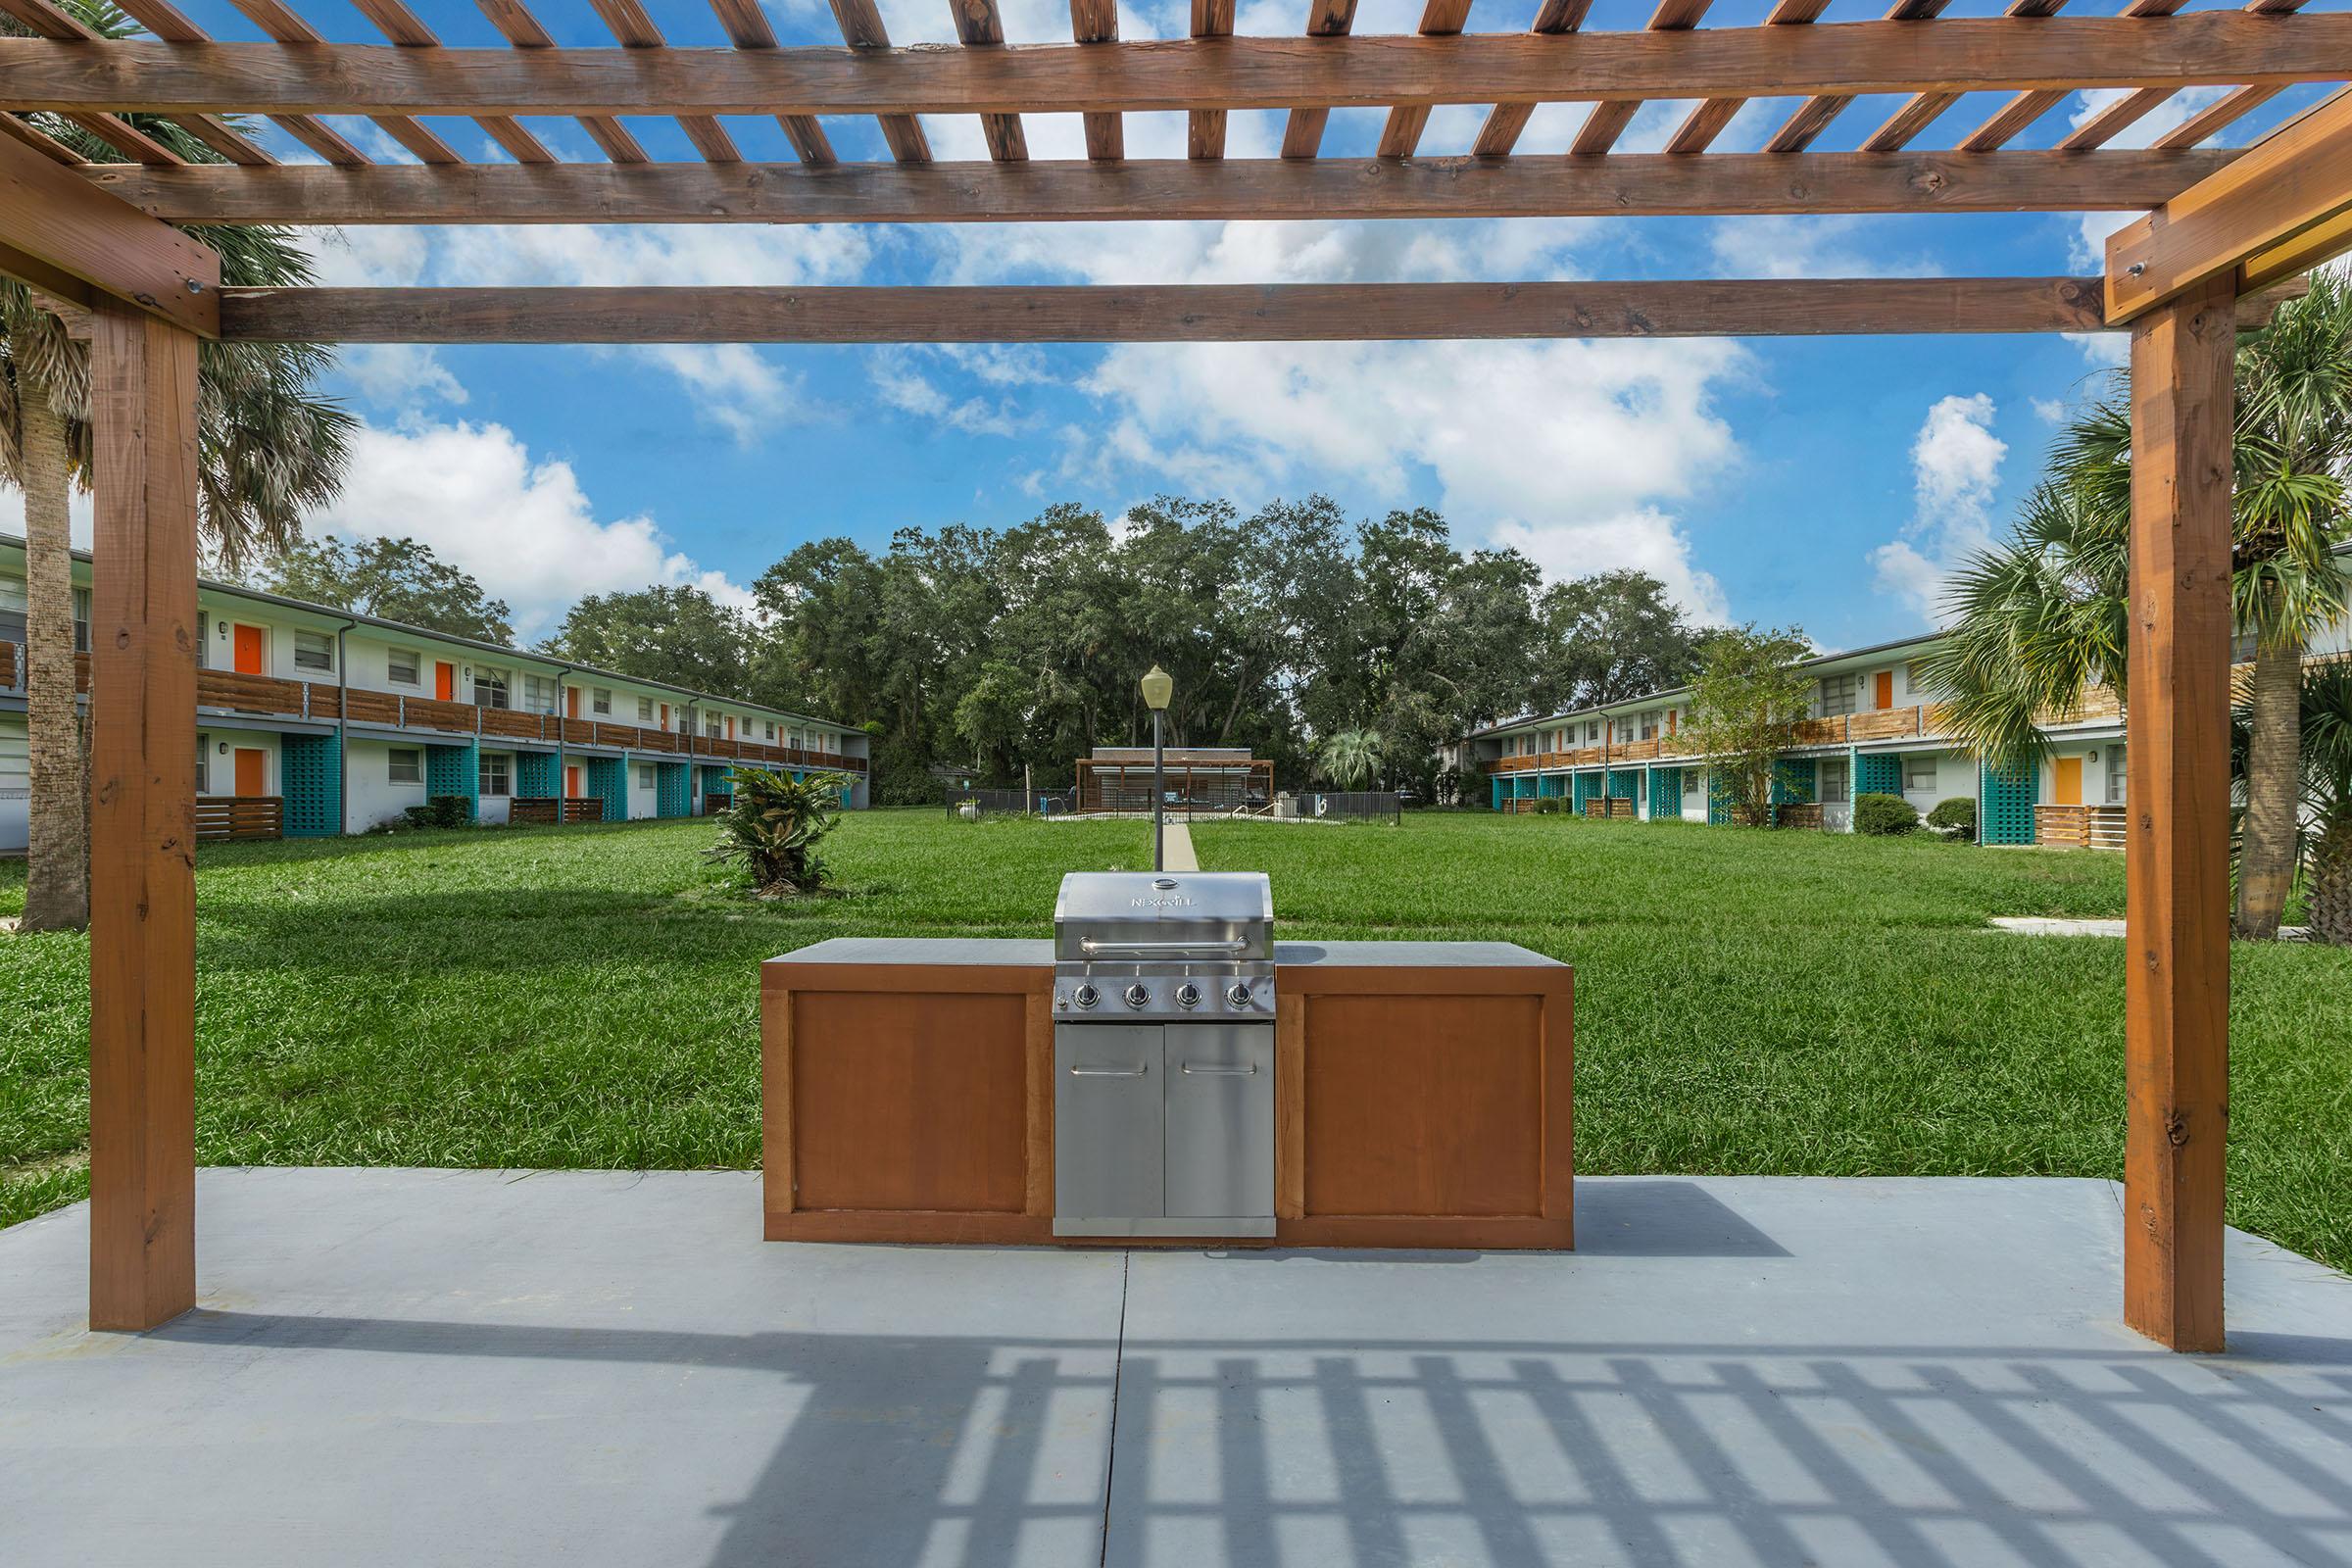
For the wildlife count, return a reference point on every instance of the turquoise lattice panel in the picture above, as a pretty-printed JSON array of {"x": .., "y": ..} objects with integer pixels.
[
  {"x": 1622, "y": 783},
  {"x": 456, "y": 770},
  {"x": 536, "y": 775},
  {"x": 2005, "y": 809},
  {"x": 1719, "y": 798},
  {"x": 673, "y": 795},
  {"x": 311, "y": 769},
  {"x": 1665, "y": 794},
  {"x": 1587, "y": 788},
  {"x": 1878, "y": 773},
  {"x": 1795, "y": 780},
  {"x": 607, "y": 780}
]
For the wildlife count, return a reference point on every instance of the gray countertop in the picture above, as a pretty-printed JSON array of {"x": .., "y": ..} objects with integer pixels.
[{"x": 1287, "y": 955}]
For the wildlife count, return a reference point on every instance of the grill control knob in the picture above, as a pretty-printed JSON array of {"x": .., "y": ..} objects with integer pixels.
[
  {"x": 1188, "y": 995},
  {"x": 1238, "y": 993},
  {"x": 1086, "y": 996},
  {"x": 1138, "y": 996}
]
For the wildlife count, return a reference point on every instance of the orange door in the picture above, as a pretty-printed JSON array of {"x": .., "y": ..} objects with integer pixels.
[
  {"x": 571, "y": 781},
  {"x": 249, "y": 649},
  {"x": 1886, "y": 690},
  {"x": 445, "y": 681},
  {"x": 2068, "y": 787},
  {"x": 665, "y": 716},
  {"x": 730, "y": 726},
  {"x": 571, "y": 701},
  {"x": 251, "y": 769}
]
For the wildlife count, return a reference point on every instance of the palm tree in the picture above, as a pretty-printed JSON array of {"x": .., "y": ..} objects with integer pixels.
[
  {"x": 2039, "y": 617},
  {"x": 268, "y": 448},
  {"x": 2327, "y": 798},
  {"x": 1350, "y": 758}
]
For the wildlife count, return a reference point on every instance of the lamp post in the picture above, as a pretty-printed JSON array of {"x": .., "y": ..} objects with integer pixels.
[{"x": 1157, "y": 688}]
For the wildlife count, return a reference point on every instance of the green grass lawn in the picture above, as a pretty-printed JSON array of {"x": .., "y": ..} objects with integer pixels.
[{"x": 1750, "y": 1002}]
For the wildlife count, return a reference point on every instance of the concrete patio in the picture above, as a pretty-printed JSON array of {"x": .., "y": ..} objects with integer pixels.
[{"x": 407, "y": 1367}]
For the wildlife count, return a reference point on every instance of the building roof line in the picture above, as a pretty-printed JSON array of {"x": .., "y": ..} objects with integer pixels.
[{"x": 362, "y": 617}]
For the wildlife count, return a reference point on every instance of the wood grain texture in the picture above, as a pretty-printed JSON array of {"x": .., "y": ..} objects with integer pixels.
[
  {"x": 1076, "y": 190},
  {"x": 2204, "y": 48},
  {"x": 910, "y": 1103},
  {"x": 1289, "y": 1105},
  {"x": 2176, "y": 853},
  {"x": 775, "y": 1103},
  {"x": 1166, "y": 312},
  {"x": 1506, "y": 121},
  {"x": 1038, "y": 1128},
  {"x": 89, "y": 245},
  {"x": 1424, "y": 1105},
  {"x": 2296, "y": 180},
  {"x": 142, "y": 822}
]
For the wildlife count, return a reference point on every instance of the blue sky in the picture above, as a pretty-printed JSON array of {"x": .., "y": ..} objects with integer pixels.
[{"x": 1820, "y": 482}]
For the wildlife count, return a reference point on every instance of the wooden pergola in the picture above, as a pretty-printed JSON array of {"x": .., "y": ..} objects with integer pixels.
[{"x": 2220, "y": 226}]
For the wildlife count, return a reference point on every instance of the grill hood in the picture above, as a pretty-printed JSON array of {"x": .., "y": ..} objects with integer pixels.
[{"x": 1225, "y": 916}]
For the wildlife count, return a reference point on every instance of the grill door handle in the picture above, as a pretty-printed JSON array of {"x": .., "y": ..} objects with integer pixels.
[
  {"x": 1091, "y": 946},
  {"x": 1110, "y": 1072},
  {"x": 1219, "y": 1070}
]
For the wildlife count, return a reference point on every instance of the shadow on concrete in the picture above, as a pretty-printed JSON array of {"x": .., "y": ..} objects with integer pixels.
[
  {"x": 1663, "y": 1218},
  {"x": 1309, "y": 1452}
]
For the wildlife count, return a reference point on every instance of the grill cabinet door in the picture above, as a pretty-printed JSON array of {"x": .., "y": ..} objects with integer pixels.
[
  {"x": 1107, "y": 1127},
  {"x": 1220, "y": 1098}
]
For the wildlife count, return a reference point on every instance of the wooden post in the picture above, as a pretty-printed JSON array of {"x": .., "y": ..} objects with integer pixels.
[
  {"x": 142, "y": 822},
  {"x": 2176, "y": 850}
]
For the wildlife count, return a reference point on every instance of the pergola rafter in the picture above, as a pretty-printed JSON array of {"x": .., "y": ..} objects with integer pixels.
[{"x": 2223, "y": 226}]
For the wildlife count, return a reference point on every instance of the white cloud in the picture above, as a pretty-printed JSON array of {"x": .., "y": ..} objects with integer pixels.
[
  {"x": 734, "y": 385},
  {"x": 1571, "y": 451},
  {"x": 523, "y": 525},
  {"x": 81, "y": 514},
  {"x": 1801, "y": 246},
  {"x": 1956, "y": 467},
  {"x": 2050, "y": 410},
  {"x": 399, "y": 377}
]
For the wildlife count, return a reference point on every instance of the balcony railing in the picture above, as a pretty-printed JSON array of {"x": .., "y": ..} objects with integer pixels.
[
  {"x": 11, "y": 676},
  {"x": 239, "y": 816},
  {"x": 2079, "y": 827}
]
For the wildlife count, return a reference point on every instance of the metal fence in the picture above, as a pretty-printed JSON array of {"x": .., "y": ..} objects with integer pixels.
[
  {"x": 977, "y": 802},
  {"x": 1346, "y": 805}
]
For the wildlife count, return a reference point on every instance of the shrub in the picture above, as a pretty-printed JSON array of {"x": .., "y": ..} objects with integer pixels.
[
  {"x": 1550, "y": 806},
  {"x": 442, "y": 811},
  {"x": 1955, "y": 818},
  {"x": 773, "y": 825},
  {"x": 1883, "y": 814}
]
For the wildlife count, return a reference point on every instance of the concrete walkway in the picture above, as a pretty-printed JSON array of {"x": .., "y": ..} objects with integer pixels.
[
  {"x": 1176, "y": 849},
  {"x": 578, "y": 1369},
  {"x": 2041, "y": 925}
]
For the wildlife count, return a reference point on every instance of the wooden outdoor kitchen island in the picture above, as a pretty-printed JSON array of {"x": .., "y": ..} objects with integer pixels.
[{"x": 1422, "y": 1094}]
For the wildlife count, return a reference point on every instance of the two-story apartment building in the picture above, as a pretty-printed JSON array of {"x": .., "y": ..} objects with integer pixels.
[
  {"x": 314, "y": 721},
  {"x": 1875, "y": 729}
]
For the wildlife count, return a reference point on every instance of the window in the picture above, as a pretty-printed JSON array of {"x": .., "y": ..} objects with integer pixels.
[
  {"x": 538, "y": 694},
  {"x": 771, "y": 729},
  {"x": 601, "y": 701},
  {"x": 495, "y": 779},
  {"x": 314, "y": 650},
  {"x": 1919, "y": 774},
  {"x": 1915, "y": 679},
  {"x": 711, "y": 725},
  {"x": 12, "y": 611},
  {"x": 1650, "y": 726},
  {"x": 489, "y": 687},
  {"x": 400, "y": 665},
  {"x": 1832, "y": 783},
  {"x": 2242, "y": 647},
  {"x": 204, "y": 771},
  {"x": 1592, "y": 733},
  {"x": 407, "y": 765},
  {"x": 81, "y": 620},
  {"x": 793, "y": 739},
  {"x": 645, "y": 775},
  {"x": 644, "y": 710},
  {"x": 1836, "y": 696},
  {"x": 2115, "y": 773}
]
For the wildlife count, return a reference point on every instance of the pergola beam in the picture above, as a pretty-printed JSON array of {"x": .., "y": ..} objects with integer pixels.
[
  {"x": 2000, "y": 53},
  {"x": 2281, "y": 209},
  {"x": 65, "y": 236},
  {"x": 1172, "y": 313},
  {"x": 1069, "y": 189}
]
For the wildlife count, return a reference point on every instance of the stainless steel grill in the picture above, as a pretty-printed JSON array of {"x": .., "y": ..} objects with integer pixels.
[
  {"x": 1164, "y": 1054},
  {"x": 1132, "y": 944}
]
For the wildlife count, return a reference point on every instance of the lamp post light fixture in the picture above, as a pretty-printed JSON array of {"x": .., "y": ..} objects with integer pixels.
[{"x": 1157, "y": 688}]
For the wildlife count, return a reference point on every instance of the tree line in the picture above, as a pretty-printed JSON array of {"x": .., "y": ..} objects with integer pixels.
[{"x": 998, "y": 653}]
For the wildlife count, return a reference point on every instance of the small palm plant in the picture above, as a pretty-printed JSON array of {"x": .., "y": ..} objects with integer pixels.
[
  {"x": 2327, "y": 800},
  {"x": 1350, "y": 758},
  {"x": 773, "y": 827}
]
